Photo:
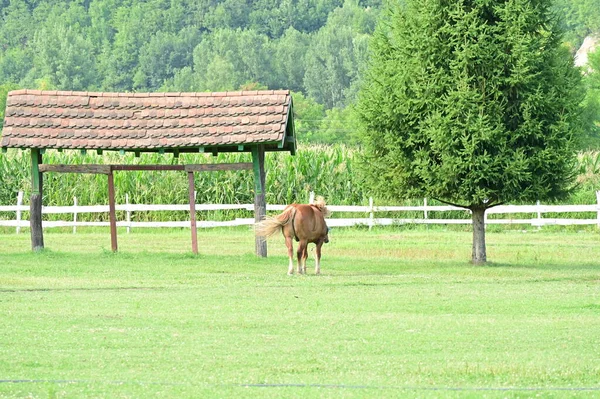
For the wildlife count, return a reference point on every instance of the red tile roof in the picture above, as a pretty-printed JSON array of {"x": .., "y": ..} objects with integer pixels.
[{"x": 147, "y": 121}]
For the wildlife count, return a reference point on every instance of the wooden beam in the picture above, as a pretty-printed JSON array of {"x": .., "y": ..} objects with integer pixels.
[
  {"x": 106, "y": 169},
  {"x": 192, "y": 198},
  {"x": 211, "y": 167},
  {"x": 112, "y": 212},
  {"x": 260, "y": 207},
  {"x": 147, "y": 167},
  {"x": 59, "y": 168}
]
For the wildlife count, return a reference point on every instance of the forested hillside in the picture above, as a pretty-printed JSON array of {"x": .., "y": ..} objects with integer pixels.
[{"x": 317, "y": 48}]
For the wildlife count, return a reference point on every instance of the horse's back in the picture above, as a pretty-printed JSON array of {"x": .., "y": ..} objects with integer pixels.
[{"x": 310, "y": 222}]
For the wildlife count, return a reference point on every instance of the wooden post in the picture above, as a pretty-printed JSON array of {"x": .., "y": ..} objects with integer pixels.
[
  {"x": 260, "y": 205},
  {"x": 112, "y": 212},
  {"x": 192, "y": 195},
  {"x": 35, "y": 205}
]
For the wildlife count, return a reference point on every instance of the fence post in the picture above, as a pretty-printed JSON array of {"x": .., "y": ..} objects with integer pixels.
[
  {"x": 598, "y": 208},
  {"x": 425, "y": 213},
  {"x": 19, "y": 203},
  {"x": 372, "y": 214},
  {"x": 74, "y": 215},
  {"x": 128, "y": 213},
  {"x": 539, "y": 214},
  {"x": 311, "y": 198}
]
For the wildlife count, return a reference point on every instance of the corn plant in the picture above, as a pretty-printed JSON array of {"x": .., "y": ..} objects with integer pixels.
[{"x": 329, "y": 171}]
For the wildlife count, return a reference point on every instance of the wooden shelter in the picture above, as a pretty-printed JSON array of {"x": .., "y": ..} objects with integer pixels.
[{"x": 244, "y": 121}]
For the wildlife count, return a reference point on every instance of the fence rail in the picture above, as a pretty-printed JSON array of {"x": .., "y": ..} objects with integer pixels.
[{"x": 369, "y": 211}]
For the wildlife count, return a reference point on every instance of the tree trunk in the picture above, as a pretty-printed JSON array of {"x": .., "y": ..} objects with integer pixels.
[{"x": 479, "y": 256}]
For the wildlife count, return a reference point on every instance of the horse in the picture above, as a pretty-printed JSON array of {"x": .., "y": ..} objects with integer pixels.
[{"x": 304, "y": 223}]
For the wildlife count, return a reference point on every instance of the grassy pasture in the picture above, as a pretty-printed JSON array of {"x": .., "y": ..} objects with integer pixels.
[{"x": 396, "y": 313}]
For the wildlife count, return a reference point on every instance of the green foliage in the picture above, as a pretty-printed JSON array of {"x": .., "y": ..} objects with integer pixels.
[
  {"x": 336, "y": 55},
  {"x": 200, "y": 45},
  {"x": 579, "y": 18},
  {"x": 329, "y": 171},
  {"x": 471, "y": 103},
  {"x": 340, "y": 125},
  {"x": 63, "y": 56},
  {"x": 4, "y": 89},
  {"x": 314, "y": 47},
  {"x": 14, "y": 65},
  {"x": 591, "y": 115},
  {"x": 162, "y": 56},
  {"x": 17, "y": 25},
  {"x": 308, "y": 115},
  {"x": 288, "y": 59},
  {"x": 223, "y": 61}
]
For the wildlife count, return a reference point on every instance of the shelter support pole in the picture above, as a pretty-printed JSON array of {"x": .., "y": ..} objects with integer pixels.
[
  {"x": 112, "y": 211},
  {"x": 35, "y": 205},
  {"x": 260, "y": 206},
  {"x": 193, "y": 213}
]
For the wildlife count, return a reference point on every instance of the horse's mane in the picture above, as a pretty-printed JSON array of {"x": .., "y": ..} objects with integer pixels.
[{"x": 320, "y": 205}]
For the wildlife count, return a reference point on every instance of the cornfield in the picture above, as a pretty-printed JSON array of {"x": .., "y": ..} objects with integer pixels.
[
  {"x": 329, "y": 171},
  {"x": 326, "y": 170}
]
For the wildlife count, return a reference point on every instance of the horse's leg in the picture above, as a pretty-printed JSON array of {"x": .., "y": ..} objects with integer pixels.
[
  {"x": 289, "y": 243},
  {"x": 318, "y": 258},
  {"x": 301, "y": 251},
  {"x": 304, "y": 256}
]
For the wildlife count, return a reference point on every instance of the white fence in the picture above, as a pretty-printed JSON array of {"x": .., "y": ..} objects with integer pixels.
[{"x": 369, "y": 213}]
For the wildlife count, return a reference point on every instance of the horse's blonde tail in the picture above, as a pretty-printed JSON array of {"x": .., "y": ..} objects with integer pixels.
[
  {"x": 320, "y": 204},
  {"x": 272, "y": 224}
]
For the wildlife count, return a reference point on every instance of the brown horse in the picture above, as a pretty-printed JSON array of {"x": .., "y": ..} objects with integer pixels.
[{"x": 304, "y": 223}]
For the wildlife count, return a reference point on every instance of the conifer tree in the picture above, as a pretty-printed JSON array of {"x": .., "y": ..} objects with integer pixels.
[{"x": 474, "y": 103}]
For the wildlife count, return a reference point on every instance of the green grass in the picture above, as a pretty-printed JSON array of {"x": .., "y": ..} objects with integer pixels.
[{"x": 396, "y": 313}]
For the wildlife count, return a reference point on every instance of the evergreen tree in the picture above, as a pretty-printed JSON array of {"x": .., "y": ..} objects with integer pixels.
[
  {"x": 591, "y": 115},
  {"x": 473, "y": 103}
]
